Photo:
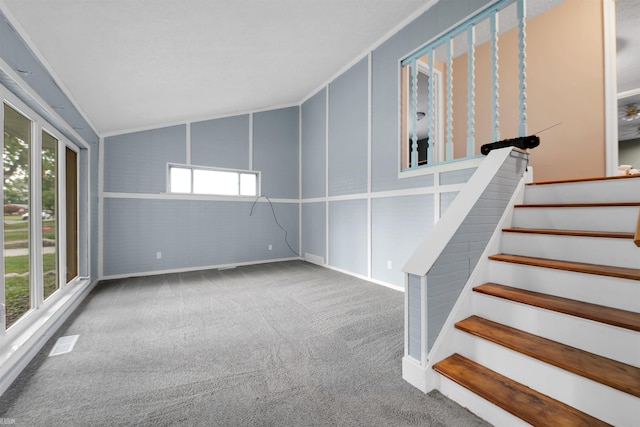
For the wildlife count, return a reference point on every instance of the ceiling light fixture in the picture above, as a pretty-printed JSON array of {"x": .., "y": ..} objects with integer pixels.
[
  {"x": 631, "y": 113},
  {"x": 420, "y": 115}
]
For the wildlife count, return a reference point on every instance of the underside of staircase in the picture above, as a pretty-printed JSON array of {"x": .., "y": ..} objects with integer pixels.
[{"x": 553, "y": 338}]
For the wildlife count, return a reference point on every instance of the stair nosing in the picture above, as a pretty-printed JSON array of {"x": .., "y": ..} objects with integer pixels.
[
  {"x": 535, "y": 408},
  {"x": 585, "y": 310},
  {"x": 572, "y": 359},
  {"x": 579, "y": 267}
]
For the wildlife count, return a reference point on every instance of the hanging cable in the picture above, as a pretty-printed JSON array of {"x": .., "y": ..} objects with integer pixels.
[{"x": 273, "y": 211}]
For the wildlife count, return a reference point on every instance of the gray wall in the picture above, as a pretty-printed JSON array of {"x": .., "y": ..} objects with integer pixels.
[
  {"x": 375, "y": 218},
  {"x": 314, "y": 217},
  {"x": 348, "y": 131},
  {"x": 221, "y": 142},
  {"x": 398, "y": 226},
  {"x": 276, "y": 151},
  {"x": 314, "y": 146},
  {"x": 191, "y": 233},
  {"x": 137, "y": 162},
  {"x": 140, "y": 221},
  {"x": 348, "y": 236}
]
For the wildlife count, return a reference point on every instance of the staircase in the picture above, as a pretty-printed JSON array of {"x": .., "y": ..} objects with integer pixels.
[{"x": 554, "y": 338}]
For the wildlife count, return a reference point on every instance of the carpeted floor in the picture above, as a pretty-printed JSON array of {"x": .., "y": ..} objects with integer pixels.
[{"x": 282, "y": 344}]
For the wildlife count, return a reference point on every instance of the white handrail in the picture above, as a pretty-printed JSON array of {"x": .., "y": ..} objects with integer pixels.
[{"x": 431, "y": 247}]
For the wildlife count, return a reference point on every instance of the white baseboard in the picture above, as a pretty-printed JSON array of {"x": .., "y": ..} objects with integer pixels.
[{"x": 196, "y": 268}]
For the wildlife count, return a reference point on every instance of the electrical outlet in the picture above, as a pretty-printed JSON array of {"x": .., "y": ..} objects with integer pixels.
[
  {"x": 270, "y": 247},
  {"x": 389, "y": 265},
  {"x": 158, "y": 255}
]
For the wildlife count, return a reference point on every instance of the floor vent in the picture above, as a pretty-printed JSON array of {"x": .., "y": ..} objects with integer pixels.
[{"x": 64, "y": 345}]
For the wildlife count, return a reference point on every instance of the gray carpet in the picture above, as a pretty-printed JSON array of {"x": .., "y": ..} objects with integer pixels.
[{"x": 282, "y": 344}]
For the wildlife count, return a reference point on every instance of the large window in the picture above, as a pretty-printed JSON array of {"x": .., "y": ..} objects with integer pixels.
[
  {"x": 40, "y": 231},
  {"x": 17, "y": 218},
  {"x": 220, "y": 182}
]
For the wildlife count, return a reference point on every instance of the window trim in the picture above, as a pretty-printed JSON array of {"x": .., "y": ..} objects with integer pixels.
[{"x": 215, "y": 169}]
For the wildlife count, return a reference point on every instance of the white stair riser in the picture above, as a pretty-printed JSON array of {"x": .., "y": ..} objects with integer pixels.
[
  {"x": 590, "y": 250},
  {"x": 607, "y": 191},
  {"x": 598, "y": 338},
  {"x": 483, "y": 408},
  {"x": 600, "y": 401},
  {"x": 620, "y": 293},
  {"x": 617, "y": 219}
]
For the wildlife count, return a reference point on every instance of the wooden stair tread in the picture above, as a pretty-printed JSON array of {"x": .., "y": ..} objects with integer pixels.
[
  {"x": 580, "y": 267},
  {"x": 599, "y": 178},
  {"x": 578, "y": 205},
  {"x": 578, "y": 233},
  {"x": 606, "y": 371},
  {"x": 599, "y": 313},
  {"x": 531, "y": 406}
]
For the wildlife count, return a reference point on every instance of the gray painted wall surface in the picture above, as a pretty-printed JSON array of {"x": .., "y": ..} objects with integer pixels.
[
  {"x": 137, "y": 162},
  {"x": 221, "y": 143},
  {"x": 200, "y": 233},
  {"x": 451, "y": 270},
  {"x": 314, "y": 228},
  {"x": 398, "y": 226},
  {"x": 348, "y": 131},
  {"x": 445, "y": 200},
  {"x": 348, "y": 235},
  {"x": 193, "y": 233},
  {"x": 347, "y": 124},
  {"x": 275, "y": 151},
  {"x": 456, "y": 177},
  {"x": 314, "y": 146},
  {"x": 414, "y": 293}
]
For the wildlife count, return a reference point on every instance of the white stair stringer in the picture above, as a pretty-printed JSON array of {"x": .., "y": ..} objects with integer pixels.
[{"x": 600, "y": 191}]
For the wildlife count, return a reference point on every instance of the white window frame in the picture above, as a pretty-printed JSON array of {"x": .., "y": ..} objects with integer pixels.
[
  {"x": 36, "y": 290},
  {"x": 193, "y": 168}
]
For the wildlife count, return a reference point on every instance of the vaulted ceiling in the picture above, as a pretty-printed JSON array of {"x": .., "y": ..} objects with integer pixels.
[
  {"x": 138, "y": 64},
  {"x": 135, "y": 64}
]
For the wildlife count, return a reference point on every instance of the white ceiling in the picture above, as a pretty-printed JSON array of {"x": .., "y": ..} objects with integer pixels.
[
  {"x": 133, "y": 64},
  {"x": 138, "y": 64}
]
